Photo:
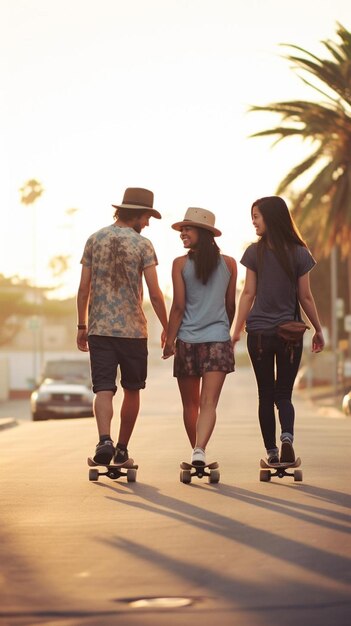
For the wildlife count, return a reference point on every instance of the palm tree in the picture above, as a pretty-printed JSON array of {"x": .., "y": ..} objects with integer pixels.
[
  {"x": 29, "y": 194},
  {"x": 324, "y": 205},
  {"x": 31, "y": 191}
]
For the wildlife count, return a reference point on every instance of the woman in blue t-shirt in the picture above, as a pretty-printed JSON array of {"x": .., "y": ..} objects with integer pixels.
[
  {"x": 203, "y": 307},
  {"x": 277, "y": 281}
]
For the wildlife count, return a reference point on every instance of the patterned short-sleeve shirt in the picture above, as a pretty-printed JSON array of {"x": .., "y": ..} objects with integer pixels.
[{"x": 117, "y": 258}]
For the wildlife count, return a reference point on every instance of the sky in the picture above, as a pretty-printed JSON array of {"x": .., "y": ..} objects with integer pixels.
[{"x": 100, "y": 95}]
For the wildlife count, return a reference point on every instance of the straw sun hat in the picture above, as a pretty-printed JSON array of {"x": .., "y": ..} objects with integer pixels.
[{"x": 202, "y": 218}]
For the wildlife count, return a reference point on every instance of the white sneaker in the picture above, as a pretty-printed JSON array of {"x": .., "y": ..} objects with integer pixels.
[{"x": 198, "y": 457}]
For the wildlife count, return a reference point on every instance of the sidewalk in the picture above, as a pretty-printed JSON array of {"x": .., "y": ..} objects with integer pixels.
[
  {"x": 324, "y": 400},
  {"x": 7, "y": 422}
]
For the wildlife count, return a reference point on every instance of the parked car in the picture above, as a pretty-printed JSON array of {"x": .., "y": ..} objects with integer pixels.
[
  {"x": 346, "y": 403},
  {"x": 64, "y": 391}
]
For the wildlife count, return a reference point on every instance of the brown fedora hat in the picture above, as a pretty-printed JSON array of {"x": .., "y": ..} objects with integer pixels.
[
  {"x": 138, "y": 198},
  {"x": 202, "y": 218}
]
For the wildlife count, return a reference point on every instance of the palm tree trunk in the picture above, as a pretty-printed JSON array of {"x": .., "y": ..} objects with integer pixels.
[{"x": 349, "y": 285}]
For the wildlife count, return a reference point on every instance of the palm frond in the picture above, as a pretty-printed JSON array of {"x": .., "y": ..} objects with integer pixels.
[
  {"x": 297, "y": 171},
  {"x": 335, "y": 101},
  {"x": 322, "y": 186},
  {"x": 326, "y": 200},
  {"x": 334, "y": 73}
]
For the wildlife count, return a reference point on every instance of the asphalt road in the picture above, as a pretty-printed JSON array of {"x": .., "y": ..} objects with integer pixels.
[{"x": 159, "y": 552}]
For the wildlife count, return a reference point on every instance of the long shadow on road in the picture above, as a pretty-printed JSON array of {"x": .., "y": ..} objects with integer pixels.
[
  {"x": 332, "y": 567},
  {"x": 300, "y": 602}
]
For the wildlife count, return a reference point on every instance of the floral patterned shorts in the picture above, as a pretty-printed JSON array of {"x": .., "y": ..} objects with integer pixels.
[{"x": 194, "y": 359}]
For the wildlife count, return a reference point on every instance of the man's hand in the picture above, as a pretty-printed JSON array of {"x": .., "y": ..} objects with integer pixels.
[{"x": 82, "y": 340}]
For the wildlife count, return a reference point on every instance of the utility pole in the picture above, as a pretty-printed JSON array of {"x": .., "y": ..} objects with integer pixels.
[{"x": 334, "y": 321}]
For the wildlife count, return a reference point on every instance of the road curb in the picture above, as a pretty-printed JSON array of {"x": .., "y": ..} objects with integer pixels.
[{"x": 7, "y": 422}]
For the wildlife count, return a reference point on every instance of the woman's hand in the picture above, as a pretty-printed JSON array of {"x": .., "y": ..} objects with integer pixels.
[
  {"x": 317, "y": 342},
  {"x": 168, "y": 350},
  {"x": 235, "y": 338}
]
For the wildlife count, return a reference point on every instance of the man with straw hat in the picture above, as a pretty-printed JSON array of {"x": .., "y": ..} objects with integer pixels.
[{"x": 111, "y": 321}]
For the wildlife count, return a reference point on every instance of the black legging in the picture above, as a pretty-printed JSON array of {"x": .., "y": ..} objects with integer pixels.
[{"x": 275, "y": 369}]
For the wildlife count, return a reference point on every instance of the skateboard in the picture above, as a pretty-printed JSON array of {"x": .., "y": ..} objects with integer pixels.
[
  {"x": 280, "y": 470},
  {"x": 113, "y": 471},
  {"x": 188, "y": 470}
]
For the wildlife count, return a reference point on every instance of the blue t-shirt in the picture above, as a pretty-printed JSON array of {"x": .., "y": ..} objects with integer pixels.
[
  {"x": 205, "y": 317},
  {"x": 275, "y": 300}
]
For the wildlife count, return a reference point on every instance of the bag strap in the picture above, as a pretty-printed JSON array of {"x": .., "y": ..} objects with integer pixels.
[{"x": 297, "y": 314}]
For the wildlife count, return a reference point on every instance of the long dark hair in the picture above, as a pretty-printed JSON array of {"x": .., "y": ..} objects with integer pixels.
[
  {"x": 281, "y": 233},
  {"x": 205, "y": 255}
]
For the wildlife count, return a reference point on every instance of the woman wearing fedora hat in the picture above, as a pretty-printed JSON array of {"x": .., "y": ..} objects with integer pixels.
[{"x": 203, "y": 307}]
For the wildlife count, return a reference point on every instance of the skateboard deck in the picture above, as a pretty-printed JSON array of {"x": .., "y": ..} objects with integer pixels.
[
  {"x": 280, "y": 469},
  {"x": 188, "y": 470},
  {"x": 113, "y": 470}
]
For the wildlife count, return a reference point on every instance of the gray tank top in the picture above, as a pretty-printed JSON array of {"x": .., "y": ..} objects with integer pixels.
[{"x": 205, "y": 317}]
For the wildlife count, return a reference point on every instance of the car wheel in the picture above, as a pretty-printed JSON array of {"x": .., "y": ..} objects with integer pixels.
[{"x": 38, "y": 417}]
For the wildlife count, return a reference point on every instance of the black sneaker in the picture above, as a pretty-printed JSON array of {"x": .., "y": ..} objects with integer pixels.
[
  {"x": 273, "y": 456},
  {"x": 287, "y": 454},
  {"x": 273, "y": 460},
  {"x": 104, "y": 452},
  {"x": 121, "y": 455}
]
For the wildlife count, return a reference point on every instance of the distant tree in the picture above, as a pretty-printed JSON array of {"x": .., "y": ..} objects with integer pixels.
[
  {"x": 59, "y": 264},
  {"x": 17, "y": 305},
  {"x": 31, "y": 191},
  {"x": 13, "y": 307}
]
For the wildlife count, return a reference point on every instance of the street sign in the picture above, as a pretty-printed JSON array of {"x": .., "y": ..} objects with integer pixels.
[{"x": 339, "y": 308}]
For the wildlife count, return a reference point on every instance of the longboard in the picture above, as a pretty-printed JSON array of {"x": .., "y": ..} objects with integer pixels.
[
  {"x": 280, "y": 469},
  {"x": 113, "y": 470},
  {"x": 188, "y": 470}
]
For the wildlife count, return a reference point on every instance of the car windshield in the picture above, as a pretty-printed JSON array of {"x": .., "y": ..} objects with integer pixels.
[{"x": 68, "y": 371}]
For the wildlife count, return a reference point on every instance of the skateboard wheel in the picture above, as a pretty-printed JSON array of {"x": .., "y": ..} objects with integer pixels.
[
  {"x": 214, "y": 476},
  {"x": 93, "y": 474},
  {"x": 298, "y": 476},
  {"x": 185, "y": 476},
  {"x": 265, "y": 476},
  {"x": 131, "y": 475}
]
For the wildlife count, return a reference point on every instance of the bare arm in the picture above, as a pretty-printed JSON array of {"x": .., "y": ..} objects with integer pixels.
[
  {"x": 156, "y": 298},
  {"x": 231, "y": 289},
  {"x": 82, "y": 307},
  {"x": 308, "y": 304},
  {"x": 246, "y": 300},
  {"x": 178, "y": 306}
]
